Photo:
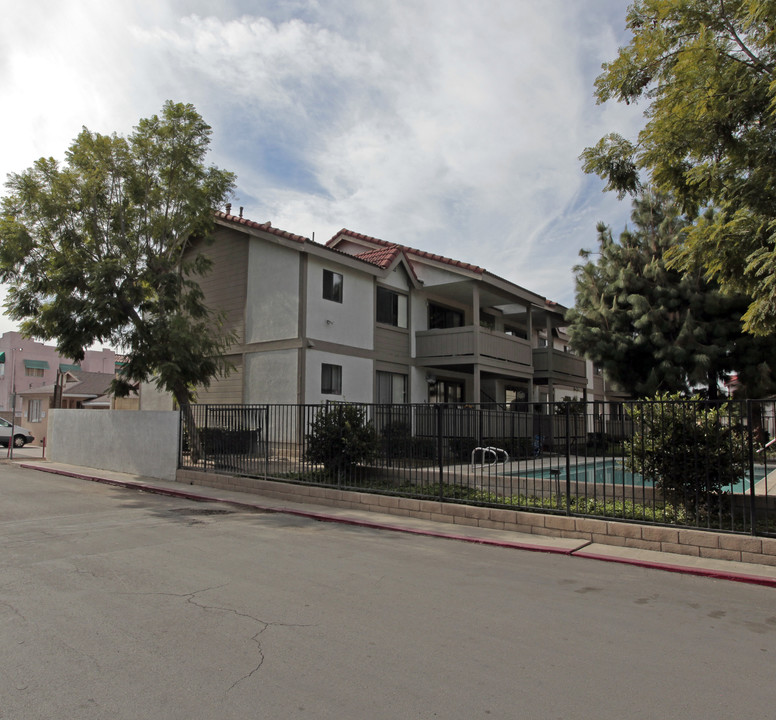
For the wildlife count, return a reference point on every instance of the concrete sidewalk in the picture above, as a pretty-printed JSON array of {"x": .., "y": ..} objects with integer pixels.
[{"x": 707, "y": 567}]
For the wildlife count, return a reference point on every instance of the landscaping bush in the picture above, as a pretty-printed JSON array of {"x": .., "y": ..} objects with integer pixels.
[
  {"x": 399, "y": 443},
  {"x": 692, "y": 451},
  {"x": 598, "y": 443},
  {"x": 516, "y": 447},
  {"x": 341, "y": 437},
  {"x": 459, "y": 449},
  {"x": 219, "y": 441}
]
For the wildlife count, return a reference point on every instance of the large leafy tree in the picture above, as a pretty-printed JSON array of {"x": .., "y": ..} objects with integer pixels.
[
  {"x": 653, "y": 328},
  {"x": 94, "y": 250},
  {"x": 707, "y": 69}
]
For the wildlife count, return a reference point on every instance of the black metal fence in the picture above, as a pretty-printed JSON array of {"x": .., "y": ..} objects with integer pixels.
[{"x": 691, "y": 463}]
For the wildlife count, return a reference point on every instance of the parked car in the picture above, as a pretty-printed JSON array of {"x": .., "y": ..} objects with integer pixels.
[{"x": 21, "y": 436}]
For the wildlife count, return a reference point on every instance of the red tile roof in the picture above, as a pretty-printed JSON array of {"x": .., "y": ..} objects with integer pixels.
[
  {"x": 408, "y": 250},
  {"x": 266, "y": 227},
  {"x": 382, "y": 257}
]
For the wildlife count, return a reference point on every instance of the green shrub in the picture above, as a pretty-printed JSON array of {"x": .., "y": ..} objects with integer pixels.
[
  {"x": 516, "y": 447},
  {"x": 219, "y": 441},
  {"x": 460, "y": 449},
  {"x": 691, "y": 450},
  {"x": 340, "y": 438}
]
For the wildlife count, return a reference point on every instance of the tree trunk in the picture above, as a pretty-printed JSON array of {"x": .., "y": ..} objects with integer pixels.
[
  {"x": 713, "y": 385},
  {"x": 189, "y": 425}
]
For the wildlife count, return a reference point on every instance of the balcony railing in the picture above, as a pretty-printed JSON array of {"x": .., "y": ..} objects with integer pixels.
[
  {"x": 559, "y": 365},
  {"x": 462, "y": 342}
]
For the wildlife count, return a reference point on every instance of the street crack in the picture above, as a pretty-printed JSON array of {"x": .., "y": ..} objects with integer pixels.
[{"x": 192, "y": 599}]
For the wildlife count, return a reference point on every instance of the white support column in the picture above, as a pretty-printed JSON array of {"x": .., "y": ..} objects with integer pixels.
[{"x": 476, "y": 312}]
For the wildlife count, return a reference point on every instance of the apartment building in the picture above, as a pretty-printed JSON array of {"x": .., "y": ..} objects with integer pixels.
[{"x": 366, "y": 320}]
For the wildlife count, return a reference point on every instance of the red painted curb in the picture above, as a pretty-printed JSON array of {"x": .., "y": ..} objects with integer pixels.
[{"x": 683, "y": 569}]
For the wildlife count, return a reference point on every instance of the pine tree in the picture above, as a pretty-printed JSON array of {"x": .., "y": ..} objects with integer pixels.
[{"x": 652, "y": 327}]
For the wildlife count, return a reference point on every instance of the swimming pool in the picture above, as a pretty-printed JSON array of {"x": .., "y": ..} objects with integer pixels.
[{"x": 615, "y": 473}]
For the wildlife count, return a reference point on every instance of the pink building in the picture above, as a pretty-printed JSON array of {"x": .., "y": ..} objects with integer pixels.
[{"x": 30, "y": 364}]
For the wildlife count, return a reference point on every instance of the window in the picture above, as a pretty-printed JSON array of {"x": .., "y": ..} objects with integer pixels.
[
  {"x": 441, "y": 318},
  {"x": 487, "y": 321},
  {"x": 332, "y": 286},
  {"x": 446, "y": 391},
  {"x": 331, "y": 379},
  {"x": 35, "y": 368},
  {"x": 34, "y": 411},
  {"x": 515, "y": 332},
  {"x": 391, "y": 308},
  {"x": 391, "y": 388}
]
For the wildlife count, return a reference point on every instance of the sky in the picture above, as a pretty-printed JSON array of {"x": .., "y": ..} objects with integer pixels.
[{"x": 450, "y": 126}]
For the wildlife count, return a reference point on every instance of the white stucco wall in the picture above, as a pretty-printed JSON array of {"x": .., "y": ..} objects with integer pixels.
[
  {"x": 357, "y": 377},
  {"x": 272, "y": 299},
  {"x": 431, "y": 276},
  {"x": 397, "y": 278},
  {"x": 271, "y": 377},
  {"x": 418, "y": 385},
  {"x": 129, "y": 441},
  {"x": 350, "y": 322}
]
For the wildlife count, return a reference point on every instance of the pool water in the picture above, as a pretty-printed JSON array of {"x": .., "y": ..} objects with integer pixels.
[{"x": 616, "y": 474}]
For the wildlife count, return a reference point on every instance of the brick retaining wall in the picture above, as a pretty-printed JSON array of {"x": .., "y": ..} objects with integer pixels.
[{"x": 697, "y": 543}]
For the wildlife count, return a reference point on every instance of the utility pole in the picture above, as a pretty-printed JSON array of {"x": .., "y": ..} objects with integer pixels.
[{"x": 13, "y": 401}]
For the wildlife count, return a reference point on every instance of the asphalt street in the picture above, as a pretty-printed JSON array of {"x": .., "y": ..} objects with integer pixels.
[{"x": 121, "y": 604}]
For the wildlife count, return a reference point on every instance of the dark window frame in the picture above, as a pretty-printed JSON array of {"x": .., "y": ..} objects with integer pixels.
[
  {"x": 441, "y": 317},
  {"x": 388, "y": 308},
  {"x": 386, "y": 380},
  {"x": 331, "y": 379},
  {"x": 333, "y": 283}
]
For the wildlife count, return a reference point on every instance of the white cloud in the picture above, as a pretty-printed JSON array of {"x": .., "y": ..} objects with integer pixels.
[{"x": 443, "y": 124}]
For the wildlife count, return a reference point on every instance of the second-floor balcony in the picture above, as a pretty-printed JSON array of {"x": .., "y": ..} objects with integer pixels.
[
  {"x": 472, "y": 344},
  {"x": 558, "y": 365}
]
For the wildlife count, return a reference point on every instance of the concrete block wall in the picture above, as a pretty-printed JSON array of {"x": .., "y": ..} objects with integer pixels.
[{"x": 697, "y": 543}]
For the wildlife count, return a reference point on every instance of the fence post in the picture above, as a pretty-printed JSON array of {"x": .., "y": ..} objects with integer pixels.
[
  {"x": 438, "y": 408},
  {"x": 568, "y": 457},
  {"x": 752, "y": 497},
  {"x": 265, "y": 439},
  {"x": 206, "y": 439}
]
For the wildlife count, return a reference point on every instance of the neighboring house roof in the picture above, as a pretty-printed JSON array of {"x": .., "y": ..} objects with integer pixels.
[
  {"x": 78, "y": 384},
  {"x": 89, "y": 384}
]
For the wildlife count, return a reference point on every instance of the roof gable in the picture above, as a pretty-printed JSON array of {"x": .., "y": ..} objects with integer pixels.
[
  {"x": 389, "y": 258},
  {"x": 368, "y": 240}
]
